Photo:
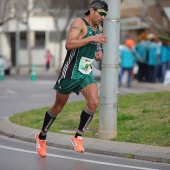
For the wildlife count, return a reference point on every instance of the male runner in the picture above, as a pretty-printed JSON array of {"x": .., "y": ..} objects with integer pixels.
[{"x": 76, "y": 73}]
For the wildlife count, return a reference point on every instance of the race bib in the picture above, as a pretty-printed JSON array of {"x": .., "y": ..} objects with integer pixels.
[{"x": 85, "y": 65}]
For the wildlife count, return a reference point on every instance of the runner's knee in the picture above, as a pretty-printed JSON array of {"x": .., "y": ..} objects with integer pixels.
[
  {"x": 92, "y": 104},
  {"x": 56, "y": 110}
]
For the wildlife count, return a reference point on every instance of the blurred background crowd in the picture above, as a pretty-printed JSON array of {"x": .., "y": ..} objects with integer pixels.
[{"x": 148, "y": 60}]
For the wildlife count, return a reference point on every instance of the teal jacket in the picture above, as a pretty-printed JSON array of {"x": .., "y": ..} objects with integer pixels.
[
  {"x": 142, "y": 48},
  {"x": 165, "y": 54},
  {"x": 127, "y": 57},
  {"x": 153, "y": 54}
]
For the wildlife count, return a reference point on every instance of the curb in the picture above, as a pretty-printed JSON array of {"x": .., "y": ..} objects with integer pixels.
[{"x": 98, "y": 146}]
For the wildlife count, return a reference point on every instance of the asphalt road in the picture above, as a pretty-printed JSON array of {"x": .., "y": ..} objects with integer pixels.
[
  {"x": 19, "y": 155},
  {"x": 19, "y": 93}
]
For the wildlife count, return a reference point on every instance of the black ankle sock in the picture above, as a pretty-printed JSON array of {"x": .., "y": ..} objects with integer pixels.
[
  {"x": 42, "y": 137},
  {"x": 77, "y": 134},
  {"x": 48, "y": 120},
  {"x": 85, "y": 119}
]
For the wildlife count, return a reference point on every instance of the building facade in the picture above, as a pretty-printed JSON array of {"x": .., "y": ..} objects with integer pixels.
[
  {"x": 35, "y": 26},
  {"x": 151, "y": 16}
]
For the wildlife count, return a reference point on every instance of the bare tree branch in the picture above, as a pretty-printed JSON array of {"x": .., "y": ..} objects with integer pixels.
[
  {"x": 26, "y": 11},
  {"x": 150, "y": 20},
  {"x": 7, "y": 13},
  {"x": 6, "y": 20}
]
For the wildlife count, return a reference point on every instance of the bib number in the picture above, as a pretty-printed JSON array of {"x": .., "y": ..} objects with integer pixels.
[{"x": 85, "y": 65}]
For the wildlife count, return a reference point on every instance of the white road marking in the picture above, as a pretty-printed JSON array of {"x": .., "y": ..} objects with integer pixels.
[
  {"x": 39, "y": 95},
  {"x": 77, "y": 159},
  {"x": 10, "y": 91}
]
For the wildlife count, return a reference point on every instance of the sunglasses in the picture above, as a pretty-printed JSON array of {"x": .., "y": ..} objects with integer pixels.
[{"x": 100, "y": 12}]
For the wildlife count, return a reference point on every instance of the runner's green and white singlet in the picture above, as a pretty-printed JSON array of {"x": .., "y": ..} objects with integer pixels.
[{"x": 77, "y": 63}]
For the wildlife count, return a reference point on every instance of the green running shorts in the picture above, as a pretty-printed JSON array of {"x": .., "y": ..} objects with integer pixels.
[{"x": 67, "y": 86}]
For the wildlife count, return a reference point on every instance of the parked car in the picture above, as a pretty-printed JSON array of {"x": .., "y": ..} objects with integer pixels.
[{"x": 6, "y": 63}]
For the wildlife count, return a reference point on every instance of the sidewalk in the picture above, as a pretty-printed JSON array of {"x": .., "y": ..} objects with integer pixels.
[
  {"x": 142, "y": 87},
  {"x": 99, "y": 146}
]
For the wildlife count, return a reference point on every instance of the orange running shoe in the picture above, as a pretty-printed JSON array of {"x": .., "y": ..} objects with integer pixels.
[
  {"x": 40, "y": 145},
  {"x": 77, "y": 143}
]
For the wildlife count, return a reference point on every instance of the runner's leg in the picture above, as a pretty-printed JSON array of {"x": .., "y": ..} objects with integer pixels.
[
  {"x": 51, "y": 114},
  {"x": 90, "y": 92}
]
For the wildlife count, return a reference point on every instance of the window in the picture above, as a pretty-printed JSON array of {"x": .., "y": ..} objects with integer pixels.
[
  {"x": 23, "y": 40},
  {"x": 39, "y": 39}
]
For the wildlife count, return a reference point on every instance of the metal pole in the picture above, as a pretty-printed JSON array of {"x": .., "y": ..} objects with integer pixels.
[
  {"x": 0, "y": 42},
  {"x": 29, "y": 42},
  {"x": 109, "y": 72},
  {"x": 1, "y": 9},
  {"x": 29, "y": 47},
  {"x": 17, "y": 46}
]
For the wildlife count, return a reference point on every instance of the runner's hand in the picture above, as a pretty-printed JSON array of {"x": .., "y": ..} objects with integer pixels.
[
  {"x": 100, "y": 38},
  {"x": 98, "y": 56}
]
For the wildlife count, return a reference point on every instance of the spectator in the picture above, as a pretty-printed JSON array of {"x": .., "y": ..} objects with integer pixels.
[
  {"x": 153, "y": 58},
  {"x": 48, "y": 60},
  {"x": 126, "y": 61},
  {"x": 165, "y": 54},
  {"x": 141, "y": 48}
]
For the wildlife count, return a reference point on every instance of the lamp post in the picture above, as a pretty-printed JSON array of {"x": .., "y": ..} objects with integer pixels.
[{"x": 109, "y": 72}]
